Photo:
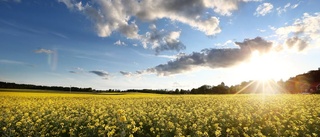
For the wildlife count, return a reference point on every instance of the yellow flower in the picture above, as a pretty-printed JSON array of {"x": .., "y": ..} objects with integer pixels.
[
  {"x": 4, "y": 128},
  {"x": 151, "y": 129},
  {"x": 120, "y": 111},
  {"x": 18, "y": 124},
  {"x": 245, "y": 129},
  {"x": 228, "y": 130},
  {"x": 38, "y": 121},
  {"x": 123, "y": 119},
  {"x": 217, "y": 133}
]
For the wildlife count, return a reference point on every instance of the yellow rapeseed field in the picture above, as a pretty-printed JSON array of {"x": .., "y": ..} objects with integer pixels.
[{"x": 148, "y": 115}]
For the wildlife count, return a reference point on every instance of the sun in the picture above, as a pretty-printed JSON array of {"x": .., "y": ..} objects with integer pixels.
[
  {"x": 266, "y": 66},
  {"x": 264, "y": 69}
]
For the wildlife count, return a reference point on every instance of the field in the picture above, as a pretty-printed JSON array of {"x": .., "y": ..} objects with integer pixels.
[{"x": 137, "y": 114}]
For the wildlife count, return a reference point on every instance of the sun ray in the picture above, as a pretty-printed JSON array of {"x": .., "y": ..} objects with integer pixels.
[{"x": 238, "y": 92}]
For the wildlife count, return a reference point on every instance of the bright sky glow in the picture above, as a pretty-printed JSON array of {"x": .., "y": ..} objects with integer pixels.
[
  {"x": 125, "y": 44},
  {"x": 267, "y": 67}
]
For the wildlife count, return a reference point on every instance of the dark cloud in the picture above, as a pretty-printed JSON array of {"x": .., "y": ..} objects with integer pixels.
[
  {"x": 126, "y": 73},
  {"x": 77, "y": 70},
  {"x": 100, "y": 73},
  {"x": 296, "y": 42},
  {"x": 255, "y": 44},
  {"x": 213, "y": 58},
  {"x": 139, "y": 72},
  {"x": 72, "y": 71}
]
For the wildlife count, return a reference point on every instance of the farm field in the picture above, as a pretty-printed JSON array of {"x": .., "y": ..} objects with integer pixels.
[{"x": 138, "y": 114}]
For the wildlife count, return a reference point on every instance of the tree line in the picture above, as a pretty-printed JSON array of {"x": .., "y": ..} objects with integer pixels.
[
  {"x": 303, "y": 83},
  {"x": 41, "y": 87}
]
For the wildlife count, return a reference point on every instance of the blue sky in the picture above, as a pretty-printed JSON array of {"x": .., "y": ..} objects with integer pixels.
[{"x": 130, "y": 44}]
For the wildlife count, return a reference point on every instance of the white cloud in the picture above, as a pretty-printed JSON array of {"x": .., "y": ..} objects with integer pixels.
[
  {"x": 261, "y": 30},
  {"x": 302, "y": 32},
  {"x": 225, "y": 7},
  {"x": 308, "y": 26},
  {"x": 272, "y": 27},
  {"x": 263, "y": 9},
  {"x": 294, "y": 6},
  {"x": 46, "y": 51},
  {"x": 225, "y": 44},
  {"x": 109, "y": 16},
  {"x": 120, "y": 43},
  {"x": 162, "y": 40},
  {"x": 68, "y": 3},
  {"x": 52, "y": 56},
  {"x": 284, "y": 9}
]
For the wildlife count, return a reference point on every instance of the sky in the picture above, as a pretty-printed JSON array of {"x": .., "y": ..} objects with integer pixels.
[{"x": 147, "y": 44}]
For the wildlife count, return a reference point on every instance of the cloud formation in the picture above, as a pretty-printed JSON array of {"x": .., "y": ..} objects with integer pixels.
[
  {"x": 81, "y": 71},
  {"x": 41, "y": 50},
  {"x": 162, "y": 40},
  {"x": 100, "y": 73},
  {"x": 299, "y": 35},
  {"x": 52, "y": 56},
  {"x": 263, "y": 9},
  {"x": 286, "y": 7},
  {"x": 126, "y": 73},
  {"x": 77, "y": 70},
  {"x": 212, "y": 58},
  {"x": 225, "y": 7},
  {"x": 120, "y": 15},
  {"x": 297, "y": 43},
  {"x": 120, "y": 43},
  {"x": 302, "y": 30}
]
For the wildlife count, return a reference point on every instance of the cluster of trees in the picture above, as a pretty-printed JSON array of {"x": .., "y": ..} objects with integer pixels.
[
  {"x": 304, "y": 83},
  {"x": 307, "y": 82},
  {"x": 38, "y": 87},
  {"x": 206, "y": 89}
]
